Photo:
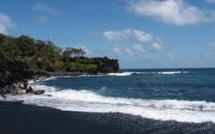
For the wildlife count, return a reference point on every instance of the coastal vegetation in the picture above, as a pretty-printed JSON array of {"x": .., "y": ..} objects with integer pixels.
[{"x": 24, "y": 57}]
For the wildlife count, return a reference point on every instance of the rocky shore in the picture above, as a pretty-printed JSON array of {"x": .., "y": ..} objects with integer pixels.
[
  {"x": 22, "y": 87},
  {"x": 14, "y": 78}
]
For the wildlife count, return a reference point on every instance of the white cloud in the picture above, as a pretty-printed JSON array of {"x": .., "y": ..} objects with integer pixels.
[
  {"x": 134, "y": 41},
  {"x": 134, "y": 49},
  {"x": 210, "y": 1},
  {"x": 88, "y": 51},
  {"x": 115, "y": 35},
  {"x": 44, "y": 8},
  {"x": 129, "y": 51},
  {"x": 157, "y": 46},
  {"x": 128, "y": 34},
  {"x": 212, "y": 44},
  {"x": 117, "y": 50},
  {"x": 5, "y": 23},
  {"x": 177, "y": 12},
  {"x": 142, "y": 36},
  {"x": 139, "y": 48}
]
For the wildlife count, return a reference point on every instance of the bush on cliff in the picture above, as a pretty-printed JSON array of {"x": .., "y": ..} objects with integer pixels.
[{"x": 22, "y": 57}]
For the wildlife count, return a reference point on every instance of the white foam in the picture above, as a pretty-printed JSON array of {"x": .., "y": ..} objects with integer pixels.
[
  {"x": 172, "y": 72},
  {"x": 50, "y": 78},
  {"x": 43, "y": 87},
  {"x": 65, "y": 76},
  {"x": 88, "y": 101},
  {"x": 140, "y": 73},
  {"x": 120, "y": 74},
  {"x": 31, "y": 81},
  {"x": 160, "y": 72},
  {"x": 96, "y": 75}
]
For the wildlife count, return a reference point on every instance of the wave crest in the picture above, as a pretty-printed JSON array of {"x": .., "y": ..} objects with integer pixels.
[
  {"x": 88, "y": 101},
  {"x": 120, "y": 74}
]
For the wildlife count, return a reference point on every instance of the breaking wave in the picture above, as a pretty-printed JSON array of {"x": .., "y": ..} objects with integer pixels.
[
  {"x": 161, "y": 72},
  {"x": 142, "y": 73},
  {"x": 89, "y": 101},
  {"x": 172, "y": 72},
  {"x": 120, "y": 74}
]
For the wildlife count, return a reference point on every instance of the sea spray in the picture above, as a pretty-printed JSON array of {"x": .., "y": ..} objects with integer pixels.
[{"x": 88, "y": 101}]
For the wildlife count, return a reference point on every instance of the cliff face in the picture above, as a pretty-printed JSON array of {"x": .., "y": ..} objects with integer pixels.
[{"x": 106, "y": 65}]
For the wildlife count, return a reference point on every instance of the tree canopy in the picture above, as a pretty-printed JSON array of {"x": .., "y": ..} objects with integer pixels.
[
  {"x": 38, "y": 55},
  {"x": 74, "y": 52}
]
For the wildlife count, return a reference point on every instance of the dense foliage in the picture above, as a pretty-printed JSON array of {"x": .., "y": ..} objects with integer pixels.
[{"x": 45, "y": 56}]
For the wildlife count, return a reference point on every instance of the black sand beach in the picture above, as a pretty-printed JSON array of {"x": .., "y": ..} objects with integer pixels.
[{"x": 27, "y": 119}]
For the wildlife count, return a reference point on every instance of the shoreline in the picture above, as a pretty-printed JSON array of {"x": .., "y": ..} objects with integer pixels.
[
  {"x": 25, "y": 119},
  {"x": 21, "y": 87}
]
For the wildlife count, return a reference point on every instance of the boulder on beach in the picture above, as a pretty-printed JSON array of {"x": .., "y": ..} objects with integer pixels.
[
  {"x": 37, "y": 92},
  {"x": 20, "y": 91}
]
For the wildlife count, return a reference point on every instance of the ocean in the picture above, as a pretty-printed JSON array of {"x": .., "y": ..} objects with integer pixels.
[{"x": 151, "y": 101}]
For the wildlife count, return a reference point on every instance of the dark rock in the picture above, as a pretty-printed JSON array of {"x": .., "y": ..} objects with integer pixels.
[
  {"x": 25, "y": 84},
  {"x": 106, "y": 65},
  {"x": 8, "y": 89},
  {"x": 37, "y": 92},
  {"x": 29, "y": 90}
]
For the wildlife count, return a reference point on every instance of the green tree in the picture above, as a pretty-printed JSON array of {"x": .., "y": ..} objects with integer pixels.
[{"x": 74, "y": 52}]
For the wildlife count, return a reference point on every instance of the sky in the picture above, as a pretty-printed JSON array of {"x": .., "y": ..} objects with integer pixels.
[{"x": 139, "y": 33}]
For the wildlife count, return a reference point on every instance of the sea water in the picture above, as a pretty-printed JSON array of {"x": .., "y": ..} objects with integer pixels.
[{"x": 181, "y": 95}]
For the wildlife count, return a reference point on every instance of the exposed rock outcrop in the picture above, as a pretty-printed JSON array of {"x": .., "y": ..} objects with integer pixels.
[
  {"x": 13, "y": 77},
  {"x": 20, "y": 88},
  {"x": 106, "y": 65}
]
